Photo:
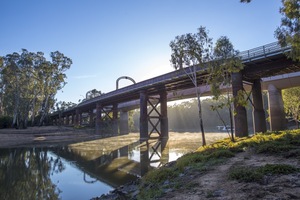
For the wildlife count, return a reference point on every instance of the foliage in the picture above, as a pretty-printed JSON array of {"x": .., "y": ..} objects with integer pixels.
[
  {"x": 33, "y": 180},
  {"x": 289, "y": 31},
  {"x": 29, "y": 83},
  {"x": 291, "y": 99},
  {"x": 226, "y": 62},
  {"x": 206, "y": 157},
  {"x": 256, "y": 174},
  {"x": 93, "y": 93},
  {"x": 5, "y": 122},
  {"x": 189, "y": 52},
  {"x": 158, "y": 176}
]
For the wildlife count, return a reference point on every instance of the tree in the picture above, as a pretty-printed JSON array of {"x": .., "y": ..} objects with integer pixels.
[
  {"x": 226, "y": 62},
  {"x": 29, "y": 83},
  {"x": 291, "y": 99},
  {"x": 93, "y": 93},
  {"x": 54, "y": 80},
  {"x": 289, "y": 31},
  {"x": 189, "y": 52}
]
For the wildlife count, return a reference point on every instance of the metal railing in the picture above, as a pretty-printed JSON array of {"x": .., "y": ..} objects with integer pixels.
[{"x": 263, "y": 51}]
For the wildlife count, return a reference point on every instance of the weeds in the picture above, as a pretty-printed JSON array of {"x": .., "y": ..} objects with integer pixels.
[
  {"x": 256, "y": 174},
  {"x": 205, "y": 158}
]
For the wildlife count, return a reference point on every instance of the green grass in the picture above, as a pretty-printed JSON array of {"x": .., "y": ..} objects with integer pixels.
[
  {"x": 285, "y": 143},
  {"x": 256, "y": 174}
]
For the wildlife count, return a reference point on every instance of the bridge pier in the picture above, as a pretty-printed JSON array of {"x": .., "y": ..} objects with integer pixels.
[
  {"x": 158, "y": 119},
  {"x": 259, "y": 118},
  {"x": 240, "y": 118},
  {"x": 143, "y": 115},
  {"x": 98, "y": 118},
  {"x": 164, "y": 124},
  {"x": 115, "y": 119},
  {"x": 91, "y": 117},
  {"x": 124, "y": 128},
  {"x": 67, "y": 120},
  {"x": 77, "y": 122},
  {"x": 276, "y": 109}
]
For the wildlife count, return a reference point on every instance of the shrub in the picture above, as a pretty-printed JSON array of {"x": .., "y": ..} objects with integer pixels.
[{"x": 5, "y": 122}]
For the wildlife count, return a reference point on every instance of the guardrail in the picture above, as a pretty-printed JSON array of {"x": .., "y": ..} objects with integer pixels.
[{"x": 263, "y": 51}]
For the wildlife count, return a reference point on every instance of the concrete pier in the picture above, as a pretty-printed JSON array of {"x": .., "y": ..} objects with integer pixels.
[
  {"x": 276, "y": 109},
  {"x": 240, "y": 118},
  {"x": 259, "y": 118}
]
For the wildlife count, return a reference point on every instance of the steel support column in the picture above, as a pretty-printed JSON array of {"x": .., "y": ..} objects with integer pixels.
[
  {"x": 164, "y": 127},
  {"x": 91, "y": 118},
  {"x": 259, "y": 118},
  {"x": 77, "y": 118},
  {"x": 276, "y": 109},
  {"x": 115, "y": 119},
  {"x": 143, "y": 115},
  {"x": 98, "y": 118},
  {"x": 67, "y": 120},
  {"x": 240, "y": 118}
]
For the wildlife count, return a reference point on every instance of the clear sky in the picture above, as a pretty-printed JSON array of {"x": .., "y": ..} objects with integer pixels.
[{"x": 107, "y": 39}]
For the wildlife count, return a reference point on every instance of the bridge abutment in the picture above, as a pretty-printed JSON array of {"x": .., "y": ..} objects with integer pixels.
[
  {"x": 276, "y": 109},
  {"x": 259, "y": 118},
  {"x": 240, "y": 118}
]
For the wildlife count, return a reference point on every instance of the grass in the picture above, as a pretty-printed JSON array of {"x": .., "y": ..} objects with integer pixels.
[
  {"x": 256, "y": 174},
  {"x": 285, "y": 143}
]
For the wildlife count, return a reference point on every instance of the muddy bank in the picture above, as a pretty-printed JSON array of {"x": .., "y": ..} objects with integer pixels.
[{"x": 44, "y": 136}]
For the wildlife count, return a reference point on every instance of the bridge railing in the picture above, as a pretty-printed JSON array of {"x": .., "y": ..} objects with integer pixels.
[{"x": 263, "y": 51}]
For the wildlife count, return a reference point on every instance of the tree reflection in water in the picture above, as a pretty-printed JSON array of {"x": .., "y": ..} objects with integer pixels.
[{"x": 25, "y": 174}]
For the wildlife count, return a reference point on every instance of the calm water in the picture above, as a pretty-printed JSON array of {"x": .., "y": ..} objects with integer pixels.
[{"x": 88, "y": 169}]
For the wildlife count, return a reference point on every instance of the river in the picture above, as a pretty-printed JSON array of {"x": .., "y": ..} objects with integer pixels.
[{"x": 88, "y": 169}]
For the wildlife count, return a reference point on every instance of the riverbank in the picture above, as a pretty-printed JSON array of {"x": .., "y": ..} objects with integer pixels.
[
  {"x": 44, "y": 136},
  {"x": 265, "y": 166}
]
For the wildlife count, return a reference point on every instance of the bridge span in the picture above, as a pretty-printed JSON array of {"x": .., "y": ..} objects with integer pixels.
[{"x": 266, "y": 67}]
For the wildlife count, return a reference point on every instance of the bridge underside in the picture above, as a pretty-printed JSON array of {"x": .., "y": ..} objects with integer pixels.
[{"x": 153, "y": 92}]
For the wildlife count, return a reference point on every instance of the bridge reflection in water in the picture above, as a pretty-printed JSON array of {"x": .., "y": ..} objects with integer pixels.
[
  {"x": 117, "y": 164},
  {"x": 87, "y": 169},
  {"x": 118, "y": 160}
]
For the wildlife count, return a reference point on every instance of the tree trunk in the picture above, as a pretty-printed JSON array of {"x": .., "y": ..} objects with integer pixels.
[
  {"x": 200, "y": 116},
  {"x": 44, "y": 111}
]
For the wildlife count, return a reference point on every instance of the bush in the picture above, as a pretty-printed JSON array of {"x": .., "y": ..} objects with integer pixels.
[{"x": 5, "y": 122}]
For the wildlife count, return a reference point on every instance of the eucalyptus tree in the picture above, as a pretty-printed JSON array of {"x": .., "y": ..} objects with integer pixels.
[
  {"x": 189, "y": 53},
  {"x": 289, "y": 31},
  {"x": 29, "y": 83},
  {"x": 93, "y": 93},
  {"x": 291, "y": 99},
  {"x": 53, "y": 79},
  {"x": 225, "y": 63}
]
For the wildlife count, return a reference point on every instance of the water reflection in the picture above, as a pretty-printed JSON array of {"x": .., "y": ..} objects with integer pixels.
[
  {"x": 25, "y": 174},
  {"x": 84, "y": 170}
]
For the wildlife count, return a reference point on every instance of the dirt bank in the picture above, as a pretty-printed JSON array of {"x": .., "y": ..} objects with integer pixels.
[{"x": 44, "y": 136}]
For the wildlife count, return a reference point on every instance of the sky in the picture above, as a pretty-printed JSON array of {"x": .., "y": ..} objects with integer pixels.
[{"x": 107, "y": 39}]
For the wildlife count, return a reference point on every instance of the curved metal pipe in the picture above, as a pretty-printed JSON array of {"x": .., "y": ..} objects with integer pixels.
[{"x": 123, "y": 77}]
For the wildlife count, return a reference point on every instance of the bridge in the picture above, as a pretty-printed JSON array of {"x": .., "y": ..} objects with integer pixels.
[{"x": 263, "y": 66}]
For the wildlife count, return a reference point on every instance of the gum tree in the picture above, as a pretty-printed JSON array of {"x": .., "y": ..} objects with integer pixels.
[
  {"x": 225, "y": 62},
  {"x": 291, "y": 99},
  {"x": 29, "y": 83},
  {"x": 189, "y": 53},
  {"x": 288, "y": 33}
]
